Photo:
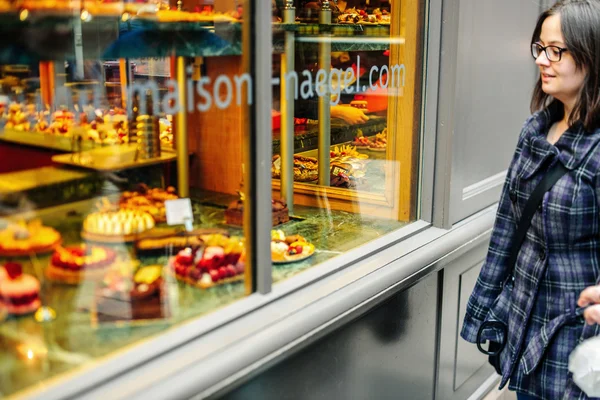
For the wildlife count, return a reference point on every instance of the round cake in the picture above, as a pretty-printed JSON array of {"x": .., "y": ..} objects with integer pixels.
[
  {"x": 76, "y": 263},
  {"x": 116, "y": 226},
  {"x": 19, "y": 292},
  {"x": 23, "y": 239}
]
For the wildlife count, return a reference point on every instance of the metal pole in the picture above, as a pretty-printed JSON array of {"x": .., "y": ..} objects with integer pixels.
[
  {"x": 324, "y": 99},
  {"x": 181, "y": 140},
  {"x": 287, "y": 110}
]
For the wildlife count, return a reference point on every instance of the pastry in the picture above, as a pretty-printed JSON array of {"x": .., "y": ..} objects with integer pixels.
[
  {"x": 116, "y": 226},
  {"x": 278, "y": 250},
  {"x": 298, "y": 251},
  {"x": 345, "y": 152},
  {"x": 149, "y": 200},
  {"x": 305, "y": 168},
  {"x": 361, "y": 142},
  {"x": 380, "y": 142},
  {"x": 354, "y": 16},
  {"x": 221, "y": 261},
  {"x": 122, "y": 297},
  {"x": 289, "y": 248},
  {"x": 378, "y": 146},
  {"x": 26, "y": 238},
  {"x": 76, "y": 263},
  {"x": 19, "y": 292},
  {"x": 382, "y": 16},
  {"x": 234, "y": 215},
  {"x": 174, "y": 242}
]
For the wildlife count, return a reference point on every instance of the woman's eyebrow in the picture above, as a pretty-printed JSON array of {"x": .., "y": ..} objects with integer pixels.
[{"x": 552, "y": 42}]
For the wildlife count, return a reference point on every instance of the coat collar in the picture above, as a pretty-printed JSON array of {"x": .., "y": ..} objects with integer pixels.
[{"x": 571, "y": 149}]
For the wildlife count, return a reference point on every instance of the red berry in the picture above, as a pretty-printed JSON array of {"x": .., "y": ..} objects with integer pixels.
[
  {"x": 332, "y": 153},
  {"x": 222, "y": 273},
  {"x": 184, "y": 259},
  {"x": 231, "y": 270},
  {"x": 13, "y": 269},
  {"x": 299, "y": 249},
  {"x": 214, "y": 275},
  {"x": 240, "y": 266}
]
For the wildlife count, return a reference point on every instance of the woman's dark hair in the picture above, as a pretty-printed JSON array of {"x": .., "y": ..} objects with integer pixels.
[{"x": 580, "y": 26}]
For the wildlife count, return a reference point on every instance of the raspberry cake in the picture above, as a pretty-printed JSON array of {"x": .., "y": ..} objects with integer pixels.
[
  {"x": 19, "y": 292},
  {"x": 222, "y": 261},
  {"x": 77, "y": 263}
]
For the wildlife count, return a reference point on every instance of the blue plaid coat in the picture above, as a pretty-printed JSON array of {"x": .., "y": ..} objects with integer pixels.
[{"x": 559, "y": 257}]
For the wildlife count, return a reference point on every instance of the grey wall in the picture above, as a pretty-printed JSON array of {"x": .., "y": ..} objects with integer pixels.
[
  {"x": 462, "y": 369},
  {"x": 389, "y": 353},
  {"x": 494, "y": 80}
]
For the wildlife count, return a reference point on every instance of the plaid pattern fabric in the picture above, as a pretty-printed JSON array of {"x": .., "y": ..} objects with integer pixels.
[{"x": 557, "y": 260}]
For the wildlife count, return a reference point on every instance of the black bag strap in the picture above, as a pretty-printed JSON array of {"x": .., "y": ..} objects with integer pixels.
[{"x": 556, "y": 171}]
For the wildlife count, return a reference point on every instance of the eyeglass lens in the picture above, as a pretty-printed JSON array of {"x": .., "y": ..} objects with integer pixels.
[{"x": 553, "y": 53}]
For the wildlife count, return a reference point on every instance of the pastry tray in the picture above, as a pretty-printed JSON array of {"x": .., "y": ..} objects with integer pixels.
[{"x": 112, "y": 158}]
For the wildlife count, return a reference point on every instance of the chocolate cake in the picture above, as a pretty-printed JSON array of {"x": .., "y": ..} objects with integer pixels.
[
  {"x": 234, "y": 215},
  {"x": 144, "y": 298}
]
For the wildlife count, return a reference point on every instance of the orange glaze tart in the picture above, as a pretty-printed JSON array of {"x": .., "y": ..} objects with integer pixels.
[
  {"x": 19, "y": 292},
  {"x": 23, "y": 239},
  {"x": 74, "y": 264}
]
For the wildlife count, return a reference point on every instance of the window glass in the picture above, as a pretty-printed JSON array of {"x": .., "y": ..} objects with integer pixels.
[
  {"x": 122, "y": 134},
  {"x": 346, "y": 86}
]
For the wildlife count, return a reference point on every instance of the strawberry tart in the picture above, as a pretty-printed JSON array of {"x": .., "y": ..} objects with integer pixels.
[
  {"x": 77, "y": 263},
  {"x": 19, "y": 292}
]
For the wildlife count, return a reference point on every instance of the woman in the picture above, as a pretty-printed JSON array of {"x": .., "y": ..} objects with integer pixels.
[{"x": 560, "y": 254}]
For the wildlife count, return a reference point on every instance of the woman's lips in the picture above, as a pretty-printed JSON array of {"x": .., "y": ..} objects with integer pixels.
[{"x": 547, "y": 77}]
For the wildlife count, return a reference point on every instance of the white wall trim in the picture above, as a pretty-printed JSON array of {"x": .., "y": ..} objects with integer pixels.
[{"x": 484, "y": 185}]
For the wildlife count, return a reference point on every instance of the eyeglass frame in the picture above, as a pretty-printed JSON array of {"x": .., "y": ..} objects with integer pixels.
[{"x": 561, "y": 50}]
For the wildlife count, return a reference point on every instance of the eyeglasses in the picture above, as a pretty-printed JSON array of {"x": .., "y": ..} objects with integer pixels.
[{"x": 553, "y": 53}]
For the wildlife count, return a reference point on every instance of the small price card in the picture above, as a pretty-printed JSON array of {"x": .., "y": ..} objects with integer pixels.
[{"x": 179, "y": 212}]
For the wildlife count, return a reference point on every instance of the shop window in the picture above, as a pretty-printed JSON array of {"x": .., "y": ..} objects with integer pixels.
[
  {"x": 112, "y": 116},
  {"x": 347, "y": 81}
]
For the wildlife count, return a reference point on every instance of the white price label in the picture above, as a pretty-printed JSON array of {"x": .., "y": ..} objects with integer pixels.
[{"x": 179, "y": 212}]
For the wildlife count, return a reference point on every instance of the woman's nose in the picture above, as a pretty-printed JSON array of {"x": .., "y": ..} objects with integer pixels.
[{"x": 542, "y": 60}]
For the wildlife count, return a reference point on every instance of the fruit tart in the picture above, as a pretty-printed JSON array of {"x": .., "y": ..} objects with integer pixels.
[
  {"x": 292, "y": 248},
  {"x": 77, "y": 263},
  {"x": 221, "y": 261},
  {"x": 361, "y": 142},
  {"x": 19, "y": 292},
  {"x": 22, "y": 238},
  {"x": 378, "y": 146}
]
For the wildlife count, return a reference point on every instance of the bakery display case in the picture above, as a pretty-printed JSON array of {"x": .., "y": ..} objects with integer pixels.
[
  {"x": 347, "y": 82},
  {"x": 140, "y": 187},
  {"x": 112, "y": 228}
]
